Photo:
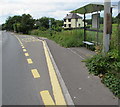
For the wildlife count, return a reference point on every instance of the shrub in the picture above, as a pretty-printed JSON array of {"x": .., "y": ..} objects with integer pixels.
[
  {"x": 109, "y": 68},
  {"x": 100, "y": 65},
  {"x": 112, "y": 80}
]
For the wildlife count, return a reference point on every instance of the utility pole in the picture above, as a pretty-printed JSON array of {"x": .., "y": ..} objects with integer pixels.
[
  {"x": 119, "y": 29},
  {"x": 84, "y": 28},
  {"x": 107, "y": 26}
]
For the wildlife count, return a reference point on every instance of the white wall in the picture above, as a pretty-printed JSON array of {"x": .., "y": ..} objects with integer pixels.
[{"x": 74, "y": 23}]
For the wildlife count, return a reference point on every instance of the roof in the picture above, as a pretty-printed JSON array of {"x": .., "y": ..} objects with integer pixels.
[
  {"x": 73, "y": 16},
  {"x": 89, "y": 8}
]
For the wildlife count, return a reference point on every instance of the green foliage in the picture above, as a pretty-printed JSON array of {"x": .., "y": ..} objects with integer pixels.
[
  {"x": 114, "y": 37},
  {"x": 59, "y": 23},
  {"x": 22, "y": 23},
  {"x": 27, "y": 23},
  {"x": 69, "y": 38},
  {"x": 57, "y": 28},
  {"x": 11, "y": 21},
  {"x": 43, "y": 24},
  {"x": 109, "y": 67},
  {"x": 89, "y": 21},
  {"x": 3, "y": 26},
  {"x": 97, "y": 65},
  {"x": 112, "y": 80}
]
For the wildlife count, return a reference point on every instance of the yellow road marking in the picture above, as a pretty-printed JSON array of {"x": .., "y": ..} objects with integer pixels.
[
  {"x": 29, "y": 61},
  {"x": 40, "y": 40},
  {"x": 23, "y": 47},
  {"x": 35, "y": 73},
  {"x": 26, "y": 54},
  {"x": 19, "y": 40},
  {"x": 24, "y": 50},
  {"x": 47, "y": 99},
  {"x": 57, "y": 91}
]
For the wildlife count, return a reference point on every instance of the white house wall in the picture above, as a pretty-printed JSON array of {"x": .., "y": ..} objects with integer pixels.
[
  {"x": 80, "y": 22},
  {"x": 74, "y": 24}
]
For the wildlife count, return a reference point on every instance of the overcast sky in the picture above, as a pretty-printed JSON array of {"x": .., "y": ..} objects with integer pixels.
[{"x": 39, "y": 8}]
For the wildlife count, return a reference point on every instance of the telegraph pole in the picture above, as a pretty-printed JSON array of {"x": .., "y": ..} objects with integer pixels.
[{"x": 107, "y": 26}]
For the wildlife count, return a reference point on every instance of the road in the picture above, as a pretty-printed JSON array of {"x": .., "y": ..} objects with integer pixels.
[
  {"x": 40, "y": 72},
  {"x": 26, "y": 78}
]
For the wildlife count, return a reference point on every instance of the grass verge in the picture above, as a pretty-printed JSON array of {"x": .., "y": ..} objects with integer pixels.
[{"x": 67, "y": 38}]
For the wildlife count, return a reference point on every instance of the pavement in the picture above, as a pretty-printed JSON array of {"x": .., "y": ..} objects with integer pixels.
[
  {"x": 84, "y": 88},
  {"x": 40, "y": 72}
]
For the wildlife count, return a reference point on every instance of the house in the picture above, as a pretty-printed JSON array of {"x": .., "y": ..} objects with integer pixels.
[{"x": 73, "y": 21}]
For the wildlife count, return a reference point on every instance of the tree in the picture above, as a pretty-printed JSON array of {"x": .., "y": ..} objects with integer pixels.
[
  {"x": 44, "y": 22},
  {"x": 22, "y": 23},
  {"x": 11, "y": 21},
  {"x": 3, "y": 26},
  {"x": 27, "y": 23}
]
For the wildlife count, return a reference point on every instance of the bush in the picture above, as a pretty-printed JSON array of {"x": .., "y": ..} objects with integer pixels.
[
  {"x": 109, "y": 68},
  {"x": 112, "y": 80},
  {"x": 100, "y": 65},
  {"x": 34, "y": 32},
  {"x": 57, "y": 29}
]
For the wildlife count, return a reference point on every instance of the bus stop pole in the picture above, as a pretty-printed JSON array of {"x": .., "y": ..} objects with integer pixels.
[
  {"x": 107, "y": 26},
  {"x": 119, "y": 29},
  {"x": 84, "y": 29}
]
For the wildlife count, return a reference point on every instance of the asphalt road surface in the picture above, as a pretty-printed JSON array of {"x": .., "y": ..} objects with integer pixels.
[
  {"x": 26, "y": 80},
  {"x": 29, "y": 75}
]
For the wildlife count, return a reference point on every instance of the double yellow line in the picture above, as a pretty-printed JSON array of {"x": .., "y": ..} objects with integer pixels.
[{"x": 57, "y": 91}]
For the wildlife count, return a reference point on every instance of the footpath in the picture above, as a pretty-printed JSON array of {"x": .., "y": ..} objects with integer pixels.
[{"x": 84, "y": 88}]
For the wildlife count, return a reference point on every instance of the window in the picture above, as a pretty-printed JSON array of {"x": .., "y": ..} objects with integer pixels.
[
  {"x": 69, "y": 25},
  {"x": 76, "y": 20},
  {"x": 79, "y": 25},
  {"x": 64, "y": 20},
  {"x": 69, "y": 20},
  {"x": 64, "y": 25}
]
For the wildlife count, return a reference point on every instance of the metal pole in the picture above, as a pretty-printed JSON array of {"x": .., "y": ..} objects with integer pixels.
[
  {"x": 119, "y": 29},
  {"x": 97, "y": 27},
  {"x": 84, "y": 29},
  {"x": 106, "y": 34}
]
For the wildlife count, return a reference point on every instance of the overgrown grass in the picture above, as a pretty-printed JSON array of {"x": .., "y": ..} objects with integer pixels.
[
  {"x": 114, "y": 37},
  {"x": 74, "y": 38},
  {"x": 66, "y": 38}
]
